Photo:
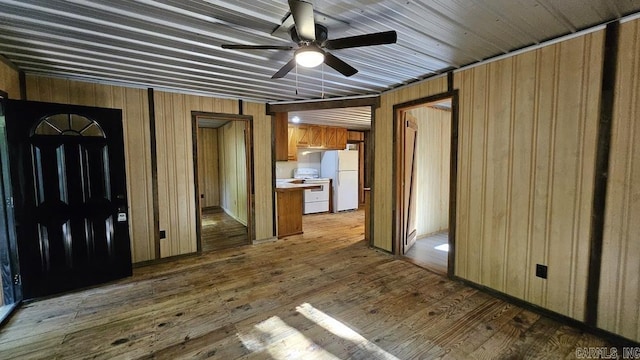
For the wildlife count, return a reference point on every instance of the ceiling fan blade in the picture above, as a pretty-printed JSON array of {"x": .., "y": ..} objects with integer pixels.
[
  {"x": 257, "y": 47},
  {"x": 381, "y": 38},
  {"x": 285, "y": 69},
  {"x": 302, "y": 12},
  {"x": 339, "y": 65}
]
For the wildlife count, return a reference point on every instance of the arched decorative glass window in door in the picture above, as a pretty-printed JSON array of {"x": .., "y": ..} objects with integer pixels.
[{"x": 68, "y": 125}]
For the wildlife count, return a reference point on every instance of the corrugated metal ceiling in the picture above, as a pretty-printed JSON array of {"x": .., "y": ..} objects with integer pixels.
[{"x": 175, "y": 44}]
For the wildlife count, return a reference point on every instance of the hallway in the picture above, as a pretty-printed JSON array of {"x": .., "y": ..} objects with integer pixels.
[
  {"x": 431, "y": 252},
  {"x": 221, "y": 231}
]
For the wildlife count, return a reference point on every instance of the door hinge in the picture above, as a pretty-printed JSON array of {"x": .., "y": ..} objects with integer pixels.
[
  {"x": 17, "y": 279},
  {"x": 10, "y": 202}
]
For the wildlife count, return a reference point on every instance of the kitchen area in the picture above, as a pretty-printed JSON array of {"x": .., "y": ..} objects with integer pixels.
[{"x": 319, "y": 170}]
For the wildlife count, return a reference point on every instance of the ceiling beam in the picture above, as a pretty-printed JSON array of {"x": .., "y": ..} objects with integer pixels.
[{"x": 373, "y": 101}]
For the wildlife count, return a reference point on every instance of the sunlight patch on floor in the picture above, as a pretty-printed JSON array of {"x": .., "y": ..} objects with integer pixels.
[
  {"x": 337, "y": 328},
  {"x": 282, "y": 341},
  {"x": 443, "y": 247},
  {"x": 208, "y": 222}
]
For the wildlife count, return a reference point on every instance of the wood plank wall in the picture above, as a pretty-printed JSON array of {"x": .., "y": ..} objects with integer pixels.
[
  {"x": 618, "y": 309},
  {"x": 208, "y": 181},
  {"x": 433, "y": 154},
  {"x": 527, "y": 135},
  {"x": 175, "y": 166},
  {"x": 233, "y": 173},
  {"x": 175, "y": 153},
  {"x": 382, "y": 189},
  {"x": 9, "y": 81},
  {"x": 262, "y": 175},
  {"x": 135, "y": 113}
]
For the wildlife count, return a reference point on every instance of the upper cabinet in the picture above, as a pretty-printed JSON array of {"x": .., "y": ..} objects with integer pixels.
[
  {"x": 292, "y": 147},
  {"x": 341, "y": 138},
  {"x": 302, "y": 136},
  {"x": 355, "y": 135},
  {"x": 290, "y": 137},
  {"x": 316, "y": 136},
  {"x": 330, "y": 139}
]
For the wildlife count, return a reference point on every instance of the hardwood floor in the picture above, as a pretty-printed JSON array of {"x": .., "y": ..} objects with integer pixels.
[
  {"x": 221, "y": 231},
  {"x": 322, "y": 294},
  {"x": 425, "y": 254}
]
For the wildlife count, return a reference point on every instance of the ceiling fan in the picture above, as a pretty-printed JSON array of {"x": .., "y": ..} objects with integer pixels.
[{"x": 312, "y": 41}]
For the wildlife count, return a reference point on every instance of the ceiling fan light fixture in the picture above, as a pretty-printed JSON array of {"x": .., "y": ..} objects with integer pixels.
[{"x": 309, "y": 56}]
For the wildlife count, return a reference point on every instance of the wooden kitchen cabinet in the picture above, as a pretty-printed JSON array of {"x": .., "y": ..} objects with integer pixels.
[
  {"x": 292, "y": 148},
  {"x": 341, "y": 138},
  {"x": 316, "y": 136},
  {"x": 289, "y": 206},
  {"x": 282, "y": 137},
  {"x": 305, "y": 136},
  {"x": 355, "y": 135},
  {"x": 335, "y": 138},
  {"x": 302, "y": 136},
  {"x": 330, "y": 140}
]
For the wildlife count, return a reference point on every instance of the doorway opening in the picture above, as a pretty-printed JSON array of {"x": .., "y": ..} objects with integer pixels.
[
  {"x": 426, "y": 138},
  {"x": 327, "y": 146},
  {"x": 224, "y": 185}
]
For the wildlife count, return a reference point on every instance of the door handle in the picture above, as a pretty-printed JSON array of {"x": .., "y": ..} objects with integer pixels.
[{"x": 122, "y": 214}]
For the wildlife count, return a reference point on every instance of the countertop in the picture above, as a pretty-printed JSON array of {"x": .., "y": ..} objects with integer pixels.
[{"x": 284, "y": 186}]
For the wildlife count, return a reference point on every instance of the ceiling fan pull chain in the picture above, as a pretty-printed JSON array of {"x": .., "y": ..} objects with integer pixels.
[
  {"x": 296, "y": 78},
  {"x": 322, "y": 70}
]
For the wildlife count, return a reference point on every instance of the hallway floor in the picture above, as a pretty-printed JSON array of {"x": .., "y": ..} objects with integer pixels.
[
  {"x": 431, "y": 252},
  {"x": 221, "y": 231}
]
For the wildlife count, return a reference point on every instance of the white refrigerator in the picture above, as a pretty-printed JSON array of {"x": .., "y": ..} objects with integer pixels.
[{"x": 342, "y": 167}]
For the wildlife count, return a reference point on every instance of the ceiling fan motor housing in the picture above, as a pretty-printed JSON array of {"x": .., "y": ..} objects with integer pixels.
[{"x": 321, "y": 35}]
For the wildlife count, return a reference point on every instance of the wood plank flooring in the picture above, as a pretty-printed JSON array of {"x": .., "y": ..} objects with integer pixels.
[
  {"x": 320, "y": 295},
  {"x": 425, "y": 254},
  {"x": 221, "y": 231}
]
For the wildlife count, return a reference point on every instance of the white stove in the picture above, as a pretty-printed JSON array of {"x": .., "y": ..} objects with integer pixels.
[{"x": 315, "y": 200}]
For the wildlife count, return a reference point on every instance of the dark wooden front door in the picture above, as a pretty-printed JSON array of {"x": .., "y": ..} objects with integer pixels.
[{"x": 68, "y": 173}]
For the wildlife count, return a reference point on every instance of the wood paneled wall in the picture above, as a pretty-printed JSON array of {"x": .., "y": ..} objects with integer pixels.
[
  {"x": 208, "y": 182},
  {"x": 176, "y": 188},
  {"x": 527, "y": 142},
  {"x": 262, "y": 174},
  {"x": 618, "y": 309},
  {"x": 9, "y": 81},
  {"x": 433, "y": 155},
  {"x": 382, "y": 189},
  {"x": 174, "y": 153},
  {"x": 175, "y": 167},
  {"x": 135, "y": 113},
  {"x": 233, "y": 170}
]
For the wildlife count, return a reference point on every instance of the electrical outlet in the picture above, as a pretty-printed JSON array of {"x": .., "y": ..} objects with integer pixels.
[
  {"x": 163, "y": 234},
  {"x": 541, "y": 271}
]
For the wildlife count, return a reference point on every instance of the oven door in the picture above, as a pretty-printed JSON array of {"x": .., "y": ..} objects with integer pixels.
[{"x": 313, "y": 195}]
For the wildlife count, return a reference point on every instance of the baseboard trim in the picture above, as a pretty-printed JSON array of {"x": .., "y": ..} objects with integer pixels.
[
  {"x": 265, "y": 240},
  {"x": 163, "y": 260},
  {"x": 615, "y": 339}
]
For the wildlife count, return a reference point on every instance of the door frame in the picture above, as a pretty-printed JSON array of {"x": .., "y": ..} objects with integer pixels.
[
  {"x": 398, "y": 171},
  {"x": 248, "y": 119},
  {"x": 373, "y": 101},
  {"x": 10, "y": 284}
]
